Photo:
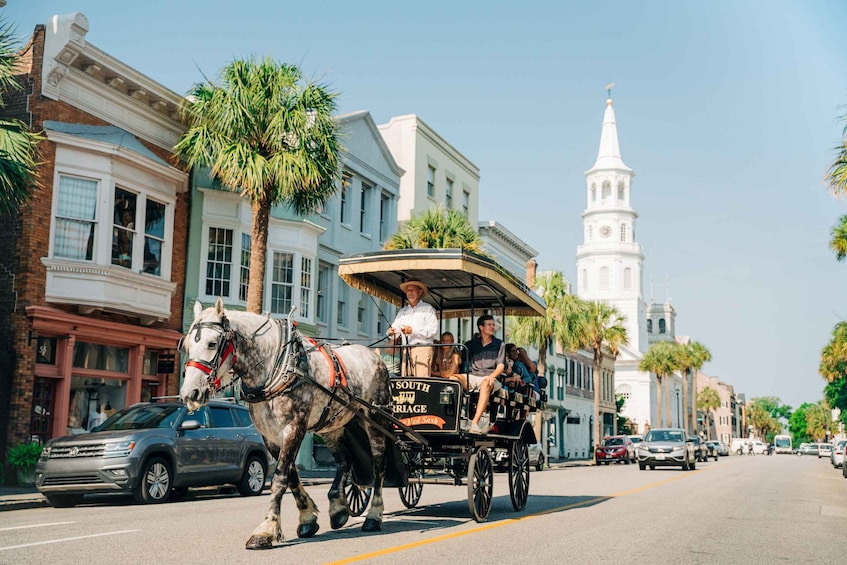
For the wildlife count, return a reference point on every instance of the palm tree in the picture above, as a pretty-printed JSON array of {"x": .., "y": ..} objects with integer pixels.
[
  {"x": 435, "y": 229},
  {"x": 17, "y": 144},
  {"x": 540, "y": 332},
  {"x": 692, "y": 356},
  {"x": 836, "y": 177},
  {"x": 839, "y": 239},
  {"x": 708, "y": 401},
  {"x": 602, "y": 325},
  {"x": 833, "y": 364},
  {"x": 662, "y": 359},
  {"x": 266, "y": 133}
]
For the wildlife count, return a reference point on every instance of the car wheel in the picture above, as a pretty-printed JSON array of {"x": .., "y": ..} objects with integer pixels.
[
  {"x": 652, "y": 467},
  {"x": 253, "y": 480},
  {"x": 154, "y": 483},
  {"x": 692, "y": 466},
  {"x": 63, "y": 500},
  {"x": 686, "y": 465},
  {"x": 642, "y": 466}
]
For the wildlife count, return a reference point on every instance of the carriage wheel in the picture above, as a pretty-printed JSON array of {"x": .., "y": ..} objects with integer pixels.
[
  {"x": 480, "y": 483},
  {"x": 357, "y": 497},
  {"x": 411, "y": 493},
  {"x": 518, "y": 474}
]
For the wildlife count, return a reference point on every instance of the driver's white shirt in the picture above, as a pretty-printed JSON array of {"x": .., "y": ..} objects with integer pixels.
[{"x": 422, "y": 320}]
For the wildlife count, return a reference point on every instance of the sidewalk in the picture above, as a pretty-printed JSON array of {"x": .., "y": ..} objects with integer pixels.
[{"x": 21, "y": 497}]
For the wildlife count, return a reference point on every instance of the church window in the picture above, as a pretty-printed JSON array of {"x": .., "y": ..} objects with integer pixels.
[
  {"x": 607, "y": 191},
  {"x": 584, "y": 284},
  {"x": 649, "y": 326},
  {"x": 662, "y": 325},
  {"x": 623, "y": 232},
  {"x": 593, "y": 192},
  {"x": 621, "y": 192},
  {"x": 590, "y": 233},
  {"x": 604, "y": 278},
  {"x": 627, "y": 279}
]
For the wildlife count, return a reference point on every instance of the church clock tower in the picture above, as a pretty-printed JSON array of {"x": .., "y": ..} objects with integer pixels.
[{"x": 609, "y": 262}]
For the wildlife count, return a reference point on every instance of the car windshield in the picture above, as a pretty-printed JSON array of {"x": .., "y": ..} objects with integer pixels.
[
  {"x": 613, "y": 441},
  {"x": 142, "y": 417},
  {"x": 662, "y": 435}
]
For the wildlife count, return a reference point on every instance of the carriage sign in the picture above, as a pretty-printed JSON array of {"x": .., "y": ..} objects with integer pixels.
[{"x": 426, "y": 404}]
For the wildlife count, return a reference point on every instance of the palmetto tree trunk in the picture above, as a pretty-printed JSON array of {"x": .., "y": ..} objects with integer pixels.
[
  {"x": 686, "y": 415},
  {"x": 660, "y": 390},
  {"x": 258, "y": 252}
]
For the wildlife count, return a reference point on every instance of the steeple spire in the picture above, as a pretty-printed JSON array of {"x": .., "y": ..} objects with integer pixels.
[{"x": 609, "y": 155}]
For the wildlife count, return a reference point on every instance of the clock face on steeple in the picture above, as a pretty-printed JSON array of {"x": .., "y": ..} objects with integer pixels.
[{"x": 605, "y": 232}]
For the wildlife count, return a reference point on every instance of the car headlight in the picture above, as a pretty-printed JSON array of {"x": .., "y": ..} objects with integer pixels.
[
  {"x": 120, "y": 449},
  {"x": 644, "y": 448},
  {"x": 679, "y": 448}
]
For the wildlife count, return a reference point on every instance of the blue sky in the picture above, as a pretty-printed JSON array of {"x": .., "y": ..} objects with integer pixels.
[{"x": 727, "y": 111}]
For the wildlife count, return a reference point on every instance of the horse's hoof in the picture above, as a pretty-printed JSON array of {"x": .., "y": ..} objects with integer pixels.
[
  {"x": 259, "y": 542},
  {"x": 307, "y": 530},
  {"x": 338, "y": 520},
  {"x": 372, "y": 525}
]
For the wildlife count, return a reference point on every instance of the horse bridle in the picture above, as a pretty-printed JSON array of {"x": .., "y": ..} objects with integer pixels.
[{"x": 226, "y": 347}]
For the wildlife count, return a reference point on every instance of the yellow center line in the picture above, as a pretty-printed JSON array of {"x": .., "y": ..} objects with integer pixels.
[{"x": 506, "y": 522}]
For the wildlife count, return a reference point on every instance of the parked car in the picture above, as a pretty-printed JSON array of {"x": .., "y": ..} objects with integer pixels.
[
  {"x": 758, "y": 447},
  {"x": 614, "y": 448},
  {"x": 837, "y": 456},
  {"x": 713, "y": 449},
  {"x": 536, "y": 457},
  {"x": 723, "y": 449},
  {"x": 666, "y": 447},
  {"x": 807, "y": 449},
  {"x": 636, "y": 441},
  {"x": 153, "y": 449},
  {"x": 824, "y": 450}
]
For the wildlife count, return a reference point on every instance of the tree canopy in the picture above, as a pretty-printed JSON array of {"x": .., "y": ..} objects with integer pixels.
[{"x": 436, "y": 228}]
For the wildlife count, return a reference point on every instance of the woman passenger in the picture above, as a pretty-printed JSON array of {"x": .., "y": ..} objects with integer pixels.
[{"x": 446, "y": 360}]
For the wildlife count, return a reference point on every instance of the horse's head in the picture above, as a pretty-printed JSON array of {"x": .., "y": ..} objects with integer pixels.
[{"x": 210, "y": 347}]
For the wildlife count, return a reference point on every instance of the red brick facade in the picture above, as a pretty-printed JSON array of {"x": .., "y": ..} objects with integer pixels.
[{"x": 22, "y": 269}]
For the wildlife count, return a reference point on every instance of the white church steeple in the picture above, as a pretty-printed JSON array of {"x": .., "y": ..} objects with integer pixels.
[{"x": 610, "y": 261}]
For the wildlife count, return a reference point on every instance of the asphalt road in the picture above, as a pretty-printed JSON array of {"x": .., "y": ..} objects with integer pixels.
[{"x": 736, "y": 510}]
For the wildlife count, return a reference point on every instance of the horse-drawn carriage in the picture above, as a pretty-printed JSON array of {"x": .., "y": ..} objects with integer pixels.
[
  {"x": 432, "y": 439},
  {"x": 383, "y": 430}
]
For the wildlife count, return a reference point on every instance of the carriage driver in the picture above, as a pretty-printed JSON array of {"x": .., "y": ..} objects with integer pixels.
[{"x": 417, "y": 324}]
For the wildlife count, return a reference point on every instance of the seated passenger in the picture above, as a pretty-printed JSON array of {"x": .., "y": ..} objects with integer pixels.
[
  {"x": 446, "y": 360},
  {"x": 486, "y": 359},
  {"x": 518, "y": 375}
]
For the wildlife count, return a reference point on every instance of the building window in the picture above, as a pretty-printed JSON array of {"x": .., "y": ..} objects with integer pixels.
[
  {"x": 244, "y": 276},
  {"x": 77, "y": 205},
  {"x": 154, "y": 237},
  {"x": 593, "y": 193},
  {"x": 590, "y": 233},
  {"x": 466, "y": 203},
  {"x": 627, "y": 278},
  {"x": 341, "y": 310},
  {"x": 324, "y": 276},
  {"x": 584, "y": 284},
  {"x": 662, "y": 326},
  {"x": 620, "y": 192},
  {"x": 623, "y": 232},
  {"x": 384, "y": 211},
  {"x": 123, "y": 230},
  {"x": 430, "y": 181},
  {"x": 346, "y": 186},
  {"x": 362, "y": 314},
  {"x": 363, "y": 207},
  {"x": 282, "y": 282},
  {"x": 604, "y": 278},
  {"x": 219, "y": 262},
  {"x": 448, "y": 194},
  {"x": 305, "y": 287},
  {"x": 607, "y": 191}
]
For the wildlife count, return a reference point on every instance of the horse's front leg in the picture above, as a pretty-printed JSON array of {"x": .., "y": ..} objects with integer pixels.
[
  {"x": 378, "y": 443},
  {"x": 269, "y": 530},
  {"x": 339, "y": 512}
]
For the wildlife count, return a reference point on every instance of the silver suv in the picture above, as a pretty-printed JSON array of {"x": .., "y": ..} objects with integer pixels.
[
  {"x": 667, "y": 447},
  {"x": 152, "y": 450}
]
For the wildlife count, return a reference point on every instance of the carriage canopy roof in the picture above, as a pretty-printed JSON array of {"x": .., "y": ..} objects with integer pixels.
[{"x": 461, "y": 283}]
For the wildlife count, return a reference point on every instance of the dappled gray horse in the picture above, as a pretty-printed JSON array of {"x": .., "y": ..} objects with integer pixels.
[{"x": 292, "y": 386}]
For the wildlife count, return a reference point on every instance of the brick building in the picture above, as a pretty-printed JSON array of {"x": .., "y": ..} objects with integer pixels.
[{"x": 92, "y": 270}]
